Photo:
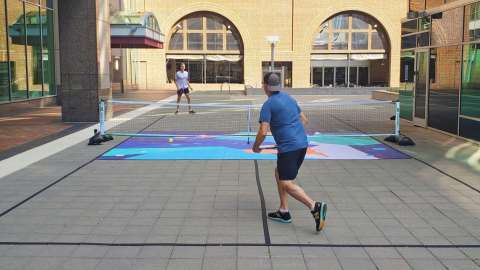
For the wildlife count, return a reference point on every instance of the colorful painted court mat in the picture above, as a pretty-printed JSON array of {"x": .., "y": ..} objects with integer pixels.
[{"x": 221, "y": 147}]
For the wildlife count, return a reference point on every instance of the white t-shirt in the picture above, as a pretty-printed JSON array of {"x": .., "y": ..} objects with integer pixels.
[{"x": 181, "y": 79}]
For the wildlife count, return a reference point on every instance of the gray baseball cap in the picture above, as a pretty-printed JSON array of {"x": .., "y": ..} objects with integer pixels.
[{"x": 272, "y": 80}]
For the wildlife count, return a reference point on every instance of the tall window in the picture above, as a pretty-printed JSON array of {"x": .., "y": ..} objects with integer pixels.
[
  {"x": 350, "y": 32},
  {"x": 26, "y": 42}
]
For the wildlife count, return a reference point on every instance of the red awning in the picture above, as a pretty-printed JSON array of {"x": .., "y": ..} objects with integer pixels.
[{"x": 135, "y": 42}]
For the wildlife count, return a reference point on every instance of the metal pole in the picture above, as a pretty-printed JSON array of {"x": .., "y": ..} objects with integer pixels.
[
  {"x": 249, "y": 124},
  {"x": 102, "y": 117},
  {"x": 397, "y": 119},
  {"x": 272, "y": 64}
]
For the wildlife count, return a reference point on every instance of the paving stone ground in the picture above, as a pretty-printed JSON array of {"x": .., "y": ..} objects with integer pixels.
[{"x": 208, "y": 215}]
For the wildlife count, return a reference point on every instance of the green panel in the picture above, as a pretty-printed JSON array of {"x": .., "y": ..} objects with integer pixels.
[
  {"x": 407, "y": 82},
  {"x": 406, "y": 104},
  {"x": 4, "y": 91},
  {"x": 4, "y": 77},
  {"x": 470, "y": 93}
]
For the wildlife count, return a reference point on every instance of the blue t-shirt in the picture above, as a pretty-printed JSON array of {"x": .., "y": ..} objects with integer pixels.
[{"x": 282, "y": 112}]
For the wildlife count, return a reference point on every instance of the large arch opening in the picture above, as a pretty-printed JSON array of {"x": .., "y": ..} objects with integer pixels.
[
  {"x": 350, "y": 49},
  {"x": 210, "y": 46}
]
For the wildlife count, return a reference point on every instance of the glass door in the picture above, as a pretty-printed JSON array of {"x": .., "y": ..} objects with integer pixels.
[
  {"x": 340, "y": 76},
  {"x": 328, "y": 76},
  {"x": 421, "y": 88}
]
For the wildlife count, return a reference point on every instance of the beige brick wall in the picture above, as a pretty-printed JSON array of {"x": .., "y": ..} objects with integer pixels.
[{"x": 256, "y": 19}]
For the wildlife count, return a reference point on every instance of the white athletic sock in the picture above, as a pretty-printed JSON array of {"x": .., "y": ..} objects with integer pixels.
[
  {"x": 313, "y": 207},
  {"x": 283, "y": 210}
]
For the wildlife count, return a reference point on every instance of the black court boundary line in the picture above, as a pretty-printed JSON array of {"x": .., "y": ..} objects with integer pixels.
[
  {"x": 266, "y": 232},
  {"x": 55, "y": 182},
  {"x": 233, "y": 245},
  {"x": 68, "y": 174}
]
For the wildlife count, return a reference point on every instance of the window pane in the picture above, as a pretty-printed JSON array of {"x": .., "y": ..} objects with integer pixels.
[
  {"x": 340, "y": 22},
  {"x": 34, "y": 51},
  {"x": 195, "y": 70},
  {"x": 48, "y": 53},
  {"x": 409, "y": 42},
  {"x": 195, "y": 23},
  {"x": 214, "y": 23},
  {"x": 236, "y": 72},
  {"x": 48, "y": 3},
  {"x": 4, "y": 78},
  {"x": 409, "y": 27},
  {"x": 359, "y": 22},
  {"x": 363, "y": 76},
  {"x": 233, "y": 43},
  {"x": 445, "y": 64},
  {"x": 218, "y": 71},
  {"x": 340, "y": 76},
  {"x": 423, "y": 39},
  {"x": 195, "y": 41},
  {"x": 321, "y": 40},
  {"x": 407, "y": 71},
  {"x": 424, "y": 24},
  {"x": 353, "y": 77},
  {"x": 471, "y": 81},
  {"x": 328, "y": 76},
  {"x": 214, "y": 41},
  {"x": 378, "y": 41},
  {"x": 340, "y": 41},
  {"x": 176, "y": 42},
  {"x": 17, "y": 40},
  {"x": 359, "y": 41},
  {"x": 317, "y": 76},
  {"x": 472, "y": 22}
]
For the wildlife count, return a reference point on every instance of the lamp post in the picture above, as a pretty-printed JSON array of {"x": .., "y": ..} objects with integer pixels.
[{"x": 272, "y": 40}]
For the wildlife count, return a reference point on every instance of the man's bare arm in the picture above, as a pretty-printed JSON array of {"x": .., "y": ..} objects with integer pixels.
[
  {"x": 303, "y": 118},
  {"x": 262, "y": 133}
]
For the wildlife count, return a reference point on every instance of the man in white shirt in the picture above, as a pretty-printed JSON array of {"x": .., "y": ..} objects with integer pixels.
[{"x": 183, "y": 87}]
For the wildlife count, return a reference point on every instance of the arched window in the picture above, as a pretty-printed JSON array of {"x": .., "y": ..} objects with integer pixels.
[
  {"x": 350, "y": 32},
  {"x": 350, "y": 49},
  {"x": 209, "y": 45}
]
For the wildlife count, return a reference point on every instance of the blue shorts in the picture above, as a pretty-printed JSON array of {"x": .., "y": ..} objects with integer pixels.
[
  {"x": 182, "y": 91},
  {"x": 289, "y": 163}
]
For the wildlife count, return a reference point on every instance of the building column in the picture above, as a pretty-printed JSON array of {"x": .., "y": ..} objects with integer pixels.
[{"x": 84, "y": 37}]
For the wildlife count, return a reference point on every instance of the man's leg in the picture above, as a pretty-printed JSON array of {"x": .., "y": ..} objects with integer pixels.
[
  {"x": 296, "y": 192},
  {"x": 187, "y": 95},
  {"x": 288, "y": 165},
  {"x": 179, "y": 97},
  {"x": 281, "y": 193}
]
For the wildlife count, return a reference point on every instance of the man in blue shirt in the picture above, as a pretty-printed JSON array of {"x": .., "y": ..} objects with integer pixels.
[{"x": 286, "y": 121}]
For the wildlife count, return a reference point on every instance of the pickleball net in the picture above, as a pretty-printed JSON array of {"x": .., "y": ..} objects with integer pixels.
[{"x": 158, "y": 119}]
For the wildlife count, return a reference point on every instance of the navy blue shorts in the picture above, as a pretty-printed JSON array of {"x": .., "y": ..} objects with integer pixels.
[
  {"x": 289, "y": 163},
  {"x": 182, "y": 91}
]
